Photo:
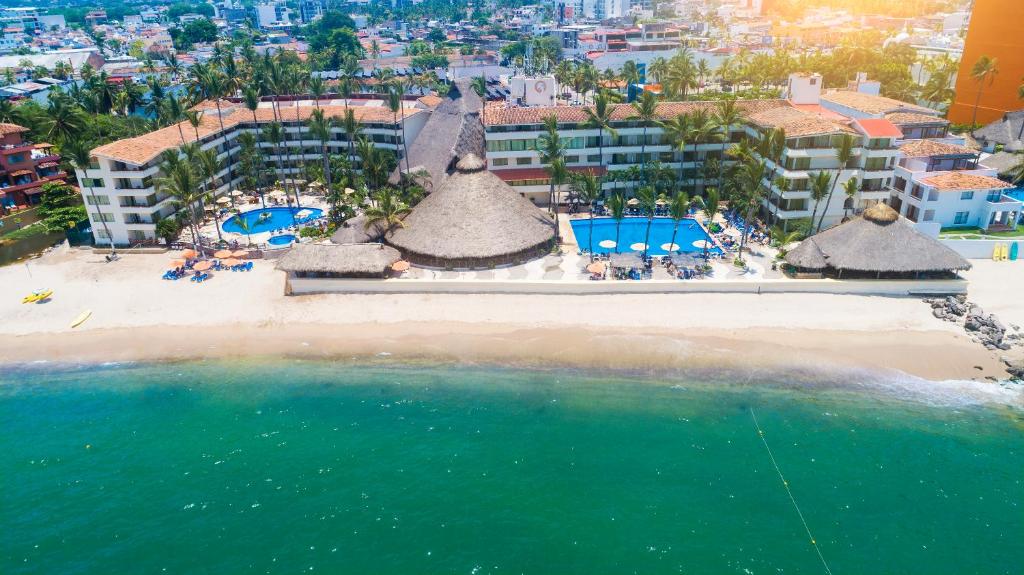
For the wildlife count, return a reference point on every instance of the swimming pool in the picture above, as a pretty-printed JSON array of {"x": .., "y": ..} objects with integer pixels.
[
  {"x": 276, "y": 218},
  {"x": 689, "y": 237},
  {"x": 281, "y": 240}
]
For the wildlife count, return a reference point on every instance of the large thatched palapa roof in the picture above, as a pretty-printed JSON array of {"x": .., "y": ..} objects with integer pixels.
[
  {"x": 474, "y": 220},
  {"x": 330, "y": 260},
  {"x": 877, "y": 242}
]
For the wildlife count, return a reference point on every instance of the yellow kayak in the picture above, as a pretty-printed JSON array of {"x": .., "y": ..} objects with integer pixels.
[
  {"x": 37, "y": 296},
  {"x": 81, "y": 318}
]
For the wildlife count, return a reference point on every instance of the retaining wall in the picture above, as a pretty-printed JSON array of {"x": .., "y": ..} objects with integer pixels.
[{"x": 982, "y": 249}]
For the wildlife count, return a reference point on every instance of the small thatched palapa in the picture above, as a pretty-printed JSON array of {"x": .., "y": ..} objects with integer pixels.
[
  {"x": 474, "y": 220},
  {"x": 877, "y": 243},
  {"x": 338, "y": 261}
]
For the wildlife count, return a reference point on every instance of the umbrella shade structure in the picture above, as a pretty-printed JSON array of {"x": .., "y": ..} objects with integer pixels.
[
  {"x": 639, "y": 246},
  {"x": 230, "y": 262},
  {"x": 209, "y": 208},
  {"x": 607, "y": 243},
  {"x": 683, "y": 260},
  {"x": 237, "y": 194},
  {"x": 203, "y": 266},
  {"x": 188, "y": 254},
  {"x": 223, "y": 201},
  {"x": 632, "y": 202},
  {"x": 596, "y": 268},
  {"x": 626, "y": 260},
  {"x": 240, "y": 254},
  {"x": 177, "y": 263},
  {"x": 670, "y": 247},
  {"x": 660, "y": 202},
  {"x": 349, "y": 191},
  {"x": 400, "y": 266},
  {"x": 277, "y": 193},
  {"x": 701, "y": 244},
  {"x": 222, "y": 254}
]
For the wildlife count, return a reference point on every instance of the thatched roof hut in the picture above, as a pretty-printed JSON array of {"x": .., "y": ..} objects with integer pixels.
[
  {"x": 338, "y": 261},
  {"x": 355, "y": 231},
  {"x": 876, "y": 244},
  {"x": 474, "y": 220}
]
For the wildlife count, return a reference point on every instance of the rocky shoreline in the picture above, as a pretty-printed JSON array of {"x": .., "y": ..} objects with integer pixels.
[{"x": 984, "y": 328}]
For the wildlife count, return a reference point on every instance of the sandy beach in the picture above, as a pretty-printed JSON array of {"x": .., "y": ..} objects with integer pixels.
[{"x": 138, "y": 316}]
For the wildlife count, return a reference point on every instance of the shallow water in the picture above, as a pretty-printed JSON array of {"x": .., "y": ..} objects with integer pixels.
[{"x": 282, "y": 467}]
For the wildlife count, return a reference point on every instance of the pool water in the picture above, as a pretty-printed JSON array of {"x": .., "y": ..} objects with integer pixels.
[
  {"x": 281, "y": 240},
  {"x": 278, "y": 218},
  {"x": 632, "y": 232}
]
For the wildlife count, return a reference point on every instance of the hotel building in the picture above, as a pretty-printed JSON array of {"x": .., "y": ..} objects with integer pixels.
[
  {"x": 24, "y": 168},
  {"x": 118, "y": 187}
]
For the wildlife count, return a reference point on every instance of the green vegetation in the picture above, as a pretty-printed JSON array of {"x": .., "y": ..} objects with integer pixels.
[
  {"x": 974, "y": 233},
  {"x": 196, "y": 31},
  {"x": 61, "y": 207},
  {"x": 29, "y": 231}
]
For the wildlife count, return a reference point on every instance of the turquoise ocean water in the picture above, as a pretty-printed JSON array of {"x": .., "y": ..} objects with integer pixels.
[{"x": 300, "y": 466}]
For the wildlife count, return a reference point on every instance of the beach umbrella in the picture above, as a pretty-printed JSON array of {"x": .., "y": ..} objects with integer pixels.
[
  {"x": 222, "y": 254},
  {"x": 660, "y": 202},
  {"x": 596, "y": 268},
  {"x": 223, "y": 201},
  {"x": 607, "y": 244},
  {"x": 276, "y": 193},
  {"x": 626, "y": 260},
  {"x": 349, "y": 191},
  {"x": 210, "y": 208},
  {"x": 633, "y": 202},
  {"x": 188, "y": 254},
  {"x": 237, "y": 194},
  {"x": 177, "y": 263},
  {"x": 400, "y": 266},
  {"x": 683, "y": 260},
  {"x": 701, "y": 244},
  {"x": 638, "y": 247},
  {"x": 230, "y": 262},
  {"x": 203, "y": 266},
  {"x": 670, "y": 247},
  {"x": 241, "y": 254}
]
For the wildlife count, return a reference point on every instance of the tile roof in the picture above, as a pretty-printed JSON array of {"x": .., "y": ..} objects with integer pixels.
[
  {"x": 6, "y": 129},
  {"x": 964, "y": 181},
  {"x": 925, "y": 148},
  {"x": 871, "y": 104},
  {"x": 797, "y": 123},
  {"x": 512, "y": 174},
  {"x": 430, "y": 100},
  {"x": 502, "y": 115},
  {"x": 879, "y": 128},
  {"x": 913, "y": 118},
  {"x": 142, "y": 149}
]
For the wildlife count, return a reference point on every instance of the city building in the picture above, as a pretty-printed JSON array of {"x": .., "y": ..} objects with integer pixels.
[
  {"x": 994, "y": 31},
  {"x": 944, "y": 185},
  {"x": 24, "y": 168},
  {"x": 273, "y": 15},
  {"x": 120, "y": 180}
]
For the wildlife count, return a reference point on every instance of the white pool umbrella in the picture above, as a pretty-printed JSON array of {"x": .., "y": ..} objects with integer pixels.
[{"x": 607, "y": 243}]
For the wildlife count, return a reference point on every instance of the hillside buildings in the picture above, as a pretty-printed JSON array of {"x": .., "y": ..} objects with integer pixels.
[{"x": 24, "y": 168}]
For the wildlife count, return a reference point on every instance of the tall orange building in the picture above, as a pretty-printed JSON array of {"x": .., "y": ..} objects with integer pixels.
[{"x": 994, "y": 31}]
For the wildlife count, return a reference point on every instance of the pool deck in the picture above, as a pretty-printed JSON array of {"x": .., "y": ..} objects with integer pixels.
[{"x": 209, "y": 231}]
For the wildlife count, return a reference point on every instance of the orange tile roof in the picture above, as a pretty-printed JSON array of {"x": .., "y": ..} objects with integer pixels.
[
  {"x": 879, "y": 128},
  {"x": 869, "y": 103},
  {"x": 908, "y": 118},
  {"x": 430, "y": 100},
  {"x": 6, "y": 129},
  {"x": 964, "y": 181},
  {"x": 142, "y": 149},
  {"x": 502, "y": 115},
  {"x": 925, "y": 148},
  {"x": 798, "y": 123}
]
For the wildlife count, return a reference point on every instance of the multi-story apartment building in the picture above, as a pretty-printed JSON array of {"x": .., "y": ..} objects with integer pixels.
[
  {"x": 944, "y": 185},
  {"x": 118, "y": 187},
  {"x": 24, "y": 168}
]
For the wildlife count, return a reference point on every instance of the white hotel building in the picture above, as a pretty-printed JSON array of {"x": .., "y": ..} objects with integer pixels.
[{"x": 118, "y": 188}]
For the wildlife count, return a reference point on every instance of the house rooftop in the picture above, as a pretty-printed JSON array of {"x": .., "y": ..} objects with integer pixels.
[
  {"x": 927, "y": 148},
  {"x": 871, "y": 104},
  {"x": 879, "y": 128},
  {"x": 798, "y": 123},
  {"x": 964, "y": 181},
  {"x": 6, "y": 129},
  {"x": 913, "y": 119}
]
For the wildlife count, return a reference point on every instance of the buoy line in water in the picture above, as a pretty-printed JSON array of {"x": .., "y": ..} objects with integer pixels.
[{"x": 785, "y": 484}]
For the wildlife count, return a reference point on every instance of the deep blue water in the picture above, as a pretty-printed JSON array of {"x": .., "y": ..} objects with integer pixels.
[
  {"x": 279, "y": 218},
  {"x": 633, "y": 230}
]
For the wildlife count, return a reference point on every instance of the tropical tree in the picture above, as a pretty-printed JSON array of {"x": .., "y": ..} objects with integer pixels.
[
  {"x": 588, "y": 190},
  {"x": 600, "y": 117},
  {"x": 710, "y": 202},
  {"x": 180, "y": 181},
  {"x": 551, "y": 149},
  {"x": 726, "y": 117},
  {"x": 983, "y": 72},
  {"x": 646, "y": 110},
  {"x": 78, "y": 154},
  {"x": 678, "y": 210},
  {"x": 678, "y": 131},
  {"x": 479, "y": 85},
  {"x": 821, "y": 182},
  {"x": 751, "y": 177},
  {"x": 320, "y": 128},
  {"x": 209, "y": 166},
  {"x": 648, "y": 202},
  {"x": 395, "y": 105},
  {"x": 843, "y": 154},
  {"x": 850, "y": 190},
  {"x": 387, "y": 209},
  {"x": 617, "y": 207}
]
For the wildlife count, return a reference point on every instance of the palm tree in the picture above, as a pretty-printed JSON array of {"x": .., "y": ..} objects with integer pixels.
[
  {"x": 703, "y": 130},
  {"x": 395, "y": 105},
  {"x": 630, "y": 73},
  {"x": 617, "y": 207},
  {"x": 646, "y": 110},
  {"x": 63, "y": 122},
  {"x": 588, "y": 190},
  {"x": 600, "y": 117},
  {"x": 181, "y": 182},
  {"x": 710, "y": 202},
  {"x": 648, "y": 201},
  {"x": 658, "y": 69},
  {"x": 272, "y": 133},
  {"x": 678, "y": 132},
  {"x": 479, "y": 85},
  {"x": 551, "y": 149},
  {"x": 208, "y": 166},
  {"x": 850, "y": 189},
  {"x": 843, "y": 154},
  {"x": 726, "y": 116},
  {"x": 194, "y": 118},
  {"x": 172, "y": 113},
  {"x": 351, "y": 127},
  {"x": 820, "y": 184},
  {"x": 558, "y": 173},
  {"x": 387, "y": 209},
  {"x": 678, "y": 209},
  {"x": 984, "y": 71},
  {"x": 752, "y": 176},
  {"x": 320, "y": 128},
  {"x": 77, "y": 152}
]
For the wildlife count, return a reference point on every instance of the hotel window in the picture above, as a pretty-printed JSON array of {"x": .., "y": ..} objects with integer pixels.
[
  {"x": 960, "y": 218},
  {"x": 93, "y": 182},
  {"x": 524, "y": 161},
  {"x": 15, "y": 158},
  {"x": 104, "y": 217},
  {"x": 499, "y": 162},
  {"x": 900, "y": 184},
  {"x": 594, "y": 159},
  {"x": 933, "y": 196},
  {"x": 572, "y": 159},
  {"x": 929, "y": 215},
  {"x": 94, "y": 164},
  {"x": 966, "y": 195},
  {"x": 97, "y": 200},
  {"x": 993, "y": 196}
]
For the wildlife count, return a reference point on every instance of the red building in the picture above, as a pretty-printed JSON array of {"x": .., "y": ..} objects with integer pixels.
[{"x": 24, "y": 168}]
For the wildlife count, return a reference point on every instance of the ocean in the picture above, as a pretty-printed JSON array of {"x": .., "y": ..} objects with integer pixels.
[{"x": 381, "y": 467}]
